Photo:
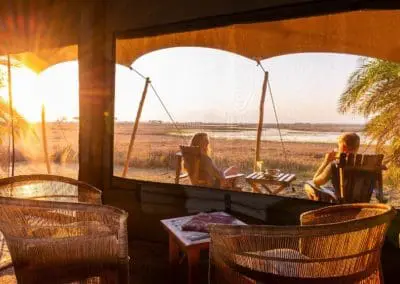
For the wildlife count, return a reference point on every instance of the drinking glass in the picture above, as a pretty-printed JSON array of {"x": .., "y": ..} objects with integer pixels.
[{"x": 260, "y": 166}]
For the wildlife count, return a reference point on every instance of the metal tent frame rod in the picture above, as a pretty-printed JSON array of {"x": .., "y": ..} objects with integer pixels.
[{"x": 139, "y": 113}]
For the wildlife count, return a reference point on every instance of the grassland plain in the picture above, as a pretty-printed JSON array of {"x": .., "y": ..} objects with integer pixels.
[{"x": 153, "y": 155}]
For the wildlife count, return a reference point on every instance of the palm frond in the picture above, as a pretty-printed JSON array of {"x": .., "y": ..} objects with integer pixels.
[{"x": 370, "y": 80}]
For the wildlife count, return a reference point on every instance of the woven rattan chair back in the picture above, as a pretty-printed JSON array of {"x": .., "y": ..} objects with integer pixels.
[
  {"x": 337, "y": 244},
  {"x": 58, "y": 242},
  {"x": 50, "y": 188}
]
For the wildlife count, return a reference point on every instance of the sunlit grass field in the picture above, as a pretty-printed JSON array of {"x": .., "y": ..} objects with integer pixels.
[{"x": 153, "y": 155}]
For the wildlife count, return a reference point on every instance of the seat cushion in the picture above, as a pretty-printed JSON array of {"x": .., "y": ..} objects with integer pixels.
[{"x": 283, "y": 262}]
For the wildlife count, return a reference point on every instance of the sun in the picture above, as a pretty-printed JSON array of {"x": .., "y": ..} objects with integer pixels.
[
  {"x": 23, "y": 92},
  {"x": 56, "y": 88}
]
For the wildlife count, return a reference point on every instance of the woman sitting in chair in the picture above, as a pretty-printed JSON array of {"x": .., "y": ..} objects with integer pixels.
[
  {"x": 347, "y": 143},
  {"x": 208, "y": 173}
]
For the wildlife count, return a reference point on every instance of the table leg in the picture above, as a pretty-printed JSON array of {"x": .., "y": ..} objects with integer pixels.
[
  {"x": 279, "y": 189},
  {"x": 254, "y": 187},
  {"x": 267, "y": 188},
  {"x": 173, "y": 258},
  {"x": 193, "y": 256}
]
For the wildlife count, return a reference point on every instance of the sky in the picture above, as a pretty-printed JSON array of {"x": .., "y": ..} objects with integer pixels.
[{"x": 200, "y": 84}]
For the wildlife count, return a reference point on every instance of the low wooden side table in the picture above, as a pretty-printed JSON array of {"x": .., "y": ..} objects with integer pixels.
[
  {"x": 191, "y": 243},
  {"x": 258, "y": 182}
]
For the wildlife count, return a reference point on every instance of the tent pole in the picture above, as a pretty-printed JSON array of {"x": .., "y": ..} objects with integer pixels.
[
  {"x": 10, "y": 99},
  {"x": 44, "y": 137},
  {"x": 135, "y": 127},
  {"x": 260, "y": 119}
]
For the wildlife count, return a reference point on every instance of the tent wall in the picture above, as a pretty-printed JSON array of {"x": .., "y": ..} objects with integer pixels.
[
  {"x": 143, "y": 16},
  {"x": 124, "y": 15},
  {"x": 150, "y": 202},
  {"x": 27, "y": 25},
  {"x": 153, "y": 17}
]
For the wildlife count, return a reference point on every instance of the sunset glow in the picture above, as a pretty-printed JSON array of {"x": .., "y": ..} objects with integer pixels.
[
  {"x": 56, "y": 88},
  {"x": 202, "y": 80}
]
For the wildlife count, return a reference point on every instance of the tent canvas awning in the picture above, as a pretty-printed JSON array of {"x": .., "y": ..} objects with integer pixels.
[{"x": 370, "y": 33}]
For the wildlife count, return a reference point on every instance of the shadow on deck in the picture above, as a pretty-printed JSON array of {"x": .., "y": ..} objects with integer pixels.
[{"x": 149, "y": 264}]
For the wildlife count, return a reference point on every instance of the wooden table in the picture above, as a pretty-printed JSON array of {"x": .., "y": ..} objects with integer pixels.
[
  {"x": 191, "y": 243},
  {"x": 258, "y": 182}
]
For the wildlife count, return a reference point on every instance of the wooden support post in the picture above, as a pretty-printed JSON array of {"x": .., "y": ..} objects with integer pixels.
[
  {"x": 11, "y": 108},
  {"x": 260, "y": 120},
  {"x": 135, "y": 127},
  {"x": 96, "y": 54},
  {"x": 44, "y": 138},
  {"x": 178, "y": 168}
]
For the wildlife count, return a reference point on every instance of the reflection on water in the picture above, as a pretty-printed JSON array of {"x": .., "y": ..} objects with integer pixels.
[{"x": 272, "y": 134}]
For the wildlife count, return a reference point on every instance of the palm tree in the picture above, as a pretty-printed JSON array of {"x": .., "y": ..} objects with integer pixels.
[
  {"x": 373, "y": 90},
  {"x": 21, "y": 125}
]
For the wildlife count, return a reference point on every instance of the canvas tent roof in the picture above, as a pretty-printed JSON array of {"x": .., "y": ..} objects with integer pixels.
[
  {"x": 37, "y": 24},
  {"x": 371, "y": 33}
]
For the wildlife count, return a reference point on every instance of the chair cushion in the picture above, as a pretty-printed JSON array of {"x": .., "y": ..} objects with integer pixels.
[{"x": 283, "y": 262}]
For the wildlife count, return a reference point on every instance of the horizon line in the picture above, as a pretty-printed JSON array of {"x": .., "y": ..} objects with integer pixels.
[{"x": 204, "y": 123}]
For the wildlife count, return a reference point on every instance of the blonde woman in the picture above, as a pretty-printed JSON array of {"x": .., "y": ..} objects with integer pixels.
[{"x": 209, "y": 174}]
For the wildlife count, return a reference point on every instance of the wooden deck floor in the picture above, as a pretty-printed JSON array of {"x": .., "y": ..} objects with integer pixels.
[{"x": 149, "y": 264}]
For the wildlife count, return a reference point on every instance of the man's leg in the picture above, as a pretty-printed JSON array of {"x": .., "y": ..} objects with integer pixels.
[
  {"x": 311, "y": 192},
  {"x": 324, "y": 194}
]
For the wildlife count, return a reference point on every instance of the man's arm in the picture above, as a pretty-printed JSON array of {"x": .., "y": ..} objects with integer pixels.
[{"x": 324, "y": 172}]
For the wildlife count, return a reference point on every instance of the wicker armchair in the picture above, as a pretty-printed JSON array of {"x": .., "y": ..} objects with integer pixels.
[
  {"x": 57, "y": 242},
  {"x": 337, "y": 244},
  {"x": 44, "y": 187},
  {"x": 49, "y": 187}
]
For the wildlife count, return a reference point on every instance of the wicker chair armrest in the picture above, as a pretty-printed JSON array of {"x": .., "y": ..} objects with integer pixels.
[
  {"x": 51, "y": 188},
  {"x": 293, "y": 232}
]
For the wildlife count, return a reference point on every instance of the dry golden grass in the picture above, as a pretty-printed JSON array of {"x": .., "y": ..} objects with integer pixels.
[
  {"x": 154, "y": 148},
  {"x": 153, "y": 155}
]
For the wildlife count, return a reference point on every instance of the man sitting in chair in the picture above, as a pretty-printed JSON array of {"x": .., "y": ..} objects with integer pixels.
[
  {"x": 347, "y": 143},
  {"x": 209, "y": 174}
]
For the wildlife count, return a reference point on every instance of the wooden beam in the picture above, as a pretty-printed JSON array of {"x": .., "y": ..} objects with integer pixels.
[
  {"x": 96, "y": 54},
  {"x": 260, "y": 119},
  {"x": 135, "y": 127}
]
